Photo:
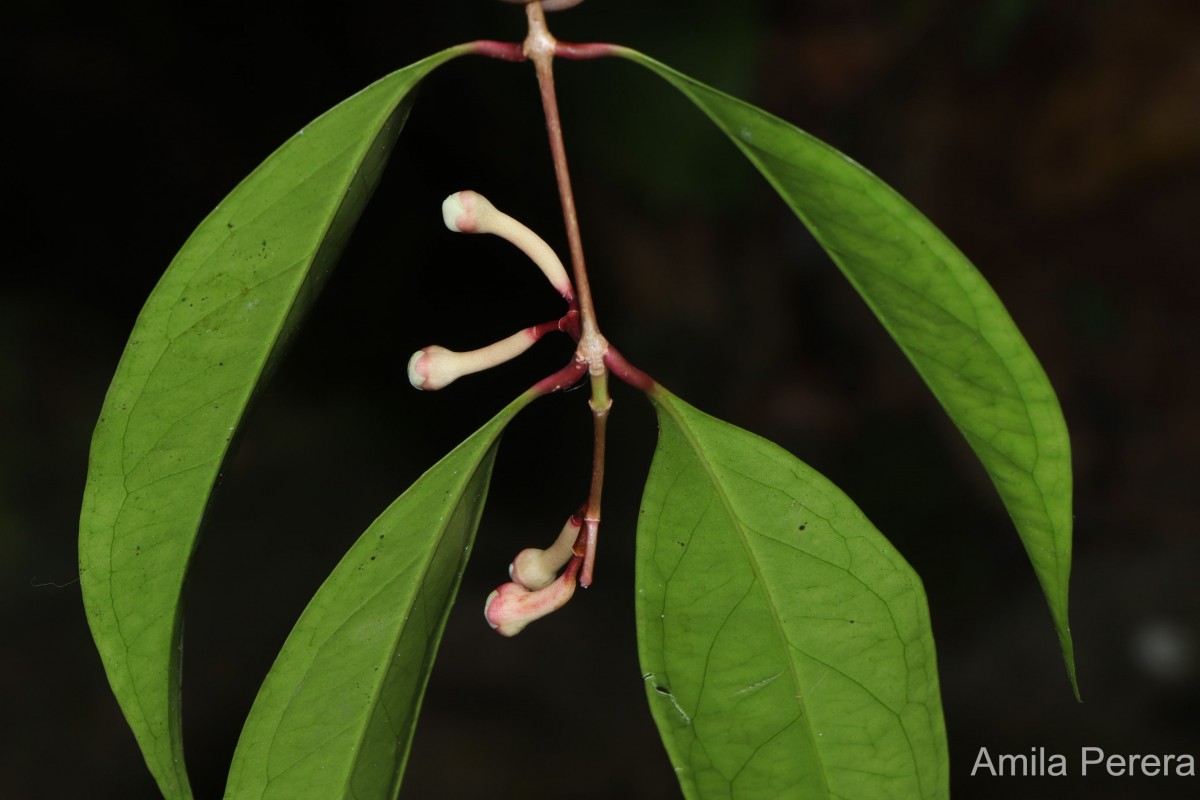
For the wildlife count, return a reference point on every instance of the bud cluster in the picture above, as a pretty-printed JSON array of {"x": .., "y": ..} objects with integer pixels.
[
  {"x": 435, "y": 367},
  {"x": 536, "y": 588}
]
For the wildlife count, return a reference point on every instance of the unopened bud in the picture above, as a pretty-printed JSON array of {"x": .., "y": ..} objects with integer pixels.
[
  {"x": 511, "y": 607},
  {"x": 535, "y": 569},
  {"x": 458, "y": 210},
  {"x": 434, "y": 367},
  {"x": 471, "y": 212}
]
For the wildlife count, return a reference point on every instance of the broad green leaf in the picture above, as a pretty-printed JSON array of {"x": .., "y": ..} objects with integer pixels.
[
  {"x": 203, "y": 344},
  {"x": 336, "y": 714},
  {"x": 942, "y": 313},
  {"x": 785, "y": 644}
]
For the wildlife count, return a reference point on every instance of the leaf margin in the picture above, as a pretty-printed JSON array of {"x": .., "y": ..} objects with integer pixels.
[
  {"x": 666, "y": 708},
  {"x": 146, "y": 682},
  {"x": 278, "y": 686},
  {"x": 1047, "y": 539}
]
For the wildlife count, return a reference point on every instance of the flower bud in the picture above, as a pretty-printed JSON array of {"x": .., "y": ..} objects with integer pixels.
[
  {"x": 535, "y": 569},
  {"x": 430, "y": 369},
  {"x": 458, "y": 210},
  {"x": 471, "y": 212},
  {"x": 434, "y": 367},
  {"x": 511, "y": 607}
]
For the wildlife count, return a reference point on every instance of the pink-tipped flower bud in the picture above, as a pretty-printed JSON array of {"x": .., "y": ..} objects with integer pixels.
[
  {"x": 535, "y": 569},
  {"x": 458, "y": 210},
  {"x": 434, "y": 367},
  {"x": 511, "y": 607},
  {"x": 471, "y": 212}
]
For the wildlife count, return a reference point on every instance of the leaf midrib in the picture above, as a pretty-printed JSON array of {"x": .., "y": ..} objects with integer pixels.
[
  {"x": 363, "y": 722},
  {"x": 488, "y": 453},
  {"x": 665, "y": 401}
]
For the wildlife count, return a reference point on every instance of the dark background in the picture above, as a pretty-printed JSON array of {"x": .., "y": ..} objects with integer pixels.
[{"x": 1057, "y": 143}]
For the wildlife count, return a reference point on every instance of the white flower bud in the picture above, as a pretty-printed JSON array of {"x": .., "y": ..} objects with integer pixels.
[
  {"x": 471, "y": 212},
  {"x": 535, "y": 569},
  {"x": 434, "y": 367}
]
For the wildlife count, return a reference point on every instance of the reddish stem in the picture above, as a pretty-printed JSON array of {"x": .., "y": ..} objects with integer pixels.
[
  {"x": 515, "y": 51},
  {"x": 572, "y": 567},
  {"x": 540, "y": 48},
  {"x": 628, "y": 372},
  {"x": 591, "y": 517},
  {"x": 568, "y": 324},
  {"x": 565, "y": 378},
  {"x": 504, "y": 51},
  {"x": 582, "y": 52}
]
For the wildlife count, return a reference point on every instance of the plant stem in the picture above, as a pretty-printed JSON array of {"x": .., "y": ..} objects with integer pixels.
[
  {"x": 504, "y": 51},
  {"x": 540, "y": 48},
  {"x": 628, "y": 372},
  {"x": 591, "y": 516}
]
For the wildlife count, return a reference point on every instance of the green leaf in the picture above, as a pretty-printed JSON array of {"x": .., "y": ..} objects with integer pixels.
[
  {"x": 336, "y": 714},
  {"x": 785, "y": 644},
  {"x": 942, "y": 313},
  {"x": 202, "y": 346}
]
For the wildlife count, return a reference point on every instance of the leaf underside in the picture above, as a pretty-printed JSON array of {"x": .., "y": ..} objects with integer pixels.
[
  {"x": 785, "y": 644},
  {"x": 336, "y": 714},
  {"x": 203, "y": 345},
  {"x": 939, "y": 310}
]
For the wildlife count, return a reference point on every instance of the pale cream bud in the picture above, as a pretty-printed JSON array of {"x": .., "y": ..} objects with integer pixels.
[
  {"x": 434, "y": 367},
  {"x": 471, "y": 212},
  {"x": 535, "y": 569}
]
